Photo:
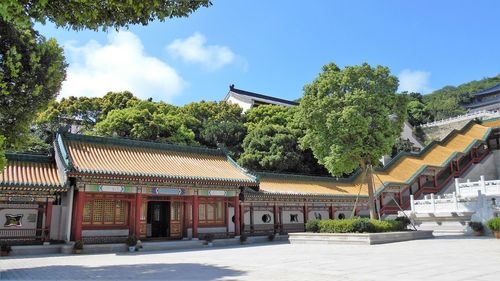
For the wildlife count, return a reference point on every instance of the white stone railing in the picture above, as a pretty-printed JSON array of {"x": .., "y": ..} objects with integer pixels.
[
  {"x": 438, "y": 204},
  {"x": 481, "y": 114},
  {"x": 472, "y": 189}
]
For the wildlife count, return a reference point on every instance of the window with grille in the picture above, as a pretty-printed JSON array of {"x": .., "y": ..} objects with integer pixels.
[
  {"x": 105, "y": 212},
  {"x": 212, "y": 212}
]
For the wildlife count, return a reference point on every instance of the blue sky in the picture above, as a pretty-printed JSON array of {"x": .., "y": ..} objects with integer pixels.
[{"x": 276, "y": 47}]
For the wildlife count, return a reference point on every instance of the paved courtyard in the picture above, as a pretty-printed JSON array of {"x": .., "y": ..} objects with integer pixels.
[{"x": 435, "y": 259}]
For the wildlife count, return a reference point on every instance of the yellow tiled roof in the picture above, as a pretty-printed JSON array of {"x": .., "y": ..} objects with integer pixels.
[
  {"x": 146, "y": 159},
  {"x": 29, "y": 171},
  {"x": 402, "y": 171},
  {"x": 493, "y": 123},
  {"x": 306, "y": 185}
]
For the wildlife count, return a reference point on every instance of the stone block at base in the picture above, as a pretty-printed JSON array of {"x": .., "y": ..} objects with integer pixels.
[{"x": 357, "y": 238}]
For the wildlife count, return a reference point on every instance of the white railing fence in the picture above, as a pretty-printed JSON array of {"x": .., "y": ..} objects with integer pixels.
[
  {"x": 471, "y": 189},
  {"x": 481, "y": 114},
  {"x": 468, "y": 197}
]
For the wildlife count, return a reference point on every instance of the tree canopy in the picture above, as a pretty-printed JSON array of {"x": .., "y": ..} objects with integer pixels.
[
  {"x": 352, "y": 117},
  {"x": 272, "y": 142},
  {"x": 96, "y": 14},
  {"x": 31, "y": 72},
  {"x": 3, "y": 161}
]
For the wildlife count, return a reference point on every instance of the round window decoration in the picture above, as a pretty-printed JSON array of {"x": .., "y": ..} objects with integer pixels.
[
  {"x": 341, "y": 216},
  {"x": 233, "y": 219},
  {"x": 266, "y": 218}
]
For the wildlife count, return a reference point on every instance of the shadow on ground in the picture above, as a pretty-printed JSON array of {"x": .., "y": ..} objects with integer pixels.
[{"x": 159, "y": 271}]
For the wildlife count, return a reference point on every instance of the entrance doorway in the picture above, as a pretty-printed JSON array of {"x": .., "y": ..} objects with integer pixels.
[{"x": 158, "y": 219}]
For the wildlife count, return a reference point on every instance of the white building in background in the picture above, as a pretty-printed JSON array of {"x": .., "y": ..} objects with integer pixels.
[{"x": 247, "y": 100}]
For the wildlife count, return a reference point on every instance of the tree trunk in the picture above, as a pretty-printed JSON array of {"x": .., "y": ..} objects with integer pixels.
[{"x": 369, "y": 180}]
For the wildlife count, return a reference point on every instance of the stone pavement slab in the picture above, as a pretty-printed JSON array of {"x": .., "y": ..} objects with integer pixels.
[{"x": 445, "y": 258}]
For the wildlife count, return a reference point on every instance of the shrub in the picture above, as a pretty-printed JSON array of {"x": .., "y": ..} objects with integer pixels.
[
  {"x": 405, "y": 221},
  {"x": 363, "y": 225},
  {"x": 476, "y": 226},
  {"x": 312, "y": 226},
  {"x": 359, "y": 225},
  {"x": 78, "y": 245},
  {"x": 336, "y": 226},
  {"x": 387, "y": 225},
  {"x": 131, "y": 240},
  {"x": 494, "y": 224}
]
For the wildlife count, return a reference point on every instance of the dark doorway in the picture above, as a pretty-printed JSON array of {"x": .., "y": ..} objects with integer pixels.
[{"x": 159, "y": 219}]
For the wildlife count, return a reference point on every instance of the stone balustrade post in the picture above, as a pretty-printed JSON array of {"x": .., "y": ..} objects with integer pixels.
[
  {"x": 433, "y": 203},
  {"x": 457, "y": 186},
  {"x": 455, "y": 201},
  {"x": 482, "y": 185},
  {"x": 412, "y": 203}
]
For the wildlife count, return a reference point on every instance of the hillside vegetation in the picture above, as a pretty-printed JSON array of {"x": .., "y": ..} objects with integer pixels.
[{"x": 447, "y": 101}]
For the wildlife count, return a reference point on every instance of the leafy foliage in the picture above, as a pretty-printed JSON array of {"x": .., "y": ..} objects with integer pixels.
[
  {"x": 359, "y": 225},
  {"x": 272, "y": 142},
  {"x": 363, "y": 225},
  {"x": 218, "y": 123},
  {"x": 31, "y": 72},
  {"x": 336, "y": 226},
  {"x": 352, "y": 116},
  {"x": 149, "y": 121},
  {"x": 418, "y": 113},
  {"x": 494, "y": 224},
  {"x": 448, "y": 101},
  {"x": 312, "y": 225},
  {"x": 3, "y": 161},
  {"x": 93, "y": 15},
  {"x": 270, "y": 147}
]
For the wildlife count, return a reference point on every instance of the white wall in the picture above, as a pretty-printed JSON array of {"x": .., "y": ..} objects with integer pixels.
[{"x": 244, "y": 104}]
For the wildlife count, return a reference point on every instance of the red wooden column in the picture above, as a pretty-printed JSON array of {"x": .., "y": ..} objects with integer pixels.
[
  {"x": 48, "y": 218},
  {"x": 237, "y": 225},
  {"x": 79, "y": 215},
  {"x": 195, "y": 216},
  {"x": 138, "y": 207},
  {"x": 306, "y": 211},
  {"x": 332, "y": 212}
]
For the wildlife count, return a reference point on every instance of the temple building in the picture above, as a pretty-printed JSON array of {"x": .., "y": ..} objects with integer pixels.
[
  {"x": 488, "y": 99},
  {"x": 102, "y": 189}
]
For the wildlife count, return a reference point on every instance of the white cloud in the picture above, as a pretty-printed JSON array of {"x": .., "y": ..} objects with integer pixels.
[
  {"x": 119, "y": 65},
  {"x": 414, "y": 81},
  {"x": 193, "y": 49}
]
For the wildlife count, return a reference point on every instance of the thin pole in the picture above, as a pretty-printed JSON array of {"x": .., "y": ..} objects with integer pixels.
[{"x": 392, "y": 197}]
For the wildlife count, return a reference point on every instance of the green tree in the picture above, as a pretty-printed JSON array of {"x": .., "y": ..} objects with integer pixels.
[
  {"x": 217, "y": 123},
  {"x": 269, "y": 114},
  {"x": 149, "y": 121},
  {"x": 270, "y": 148},
  {"x": 3, "y": 161},
  {"x": 352, "y": 117},
  {"x": 418, "y": 113},
  {"x": 95, "y": 14},
  {"x": 31, "y": 72},
  {"x": 281, "y": 119}
]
